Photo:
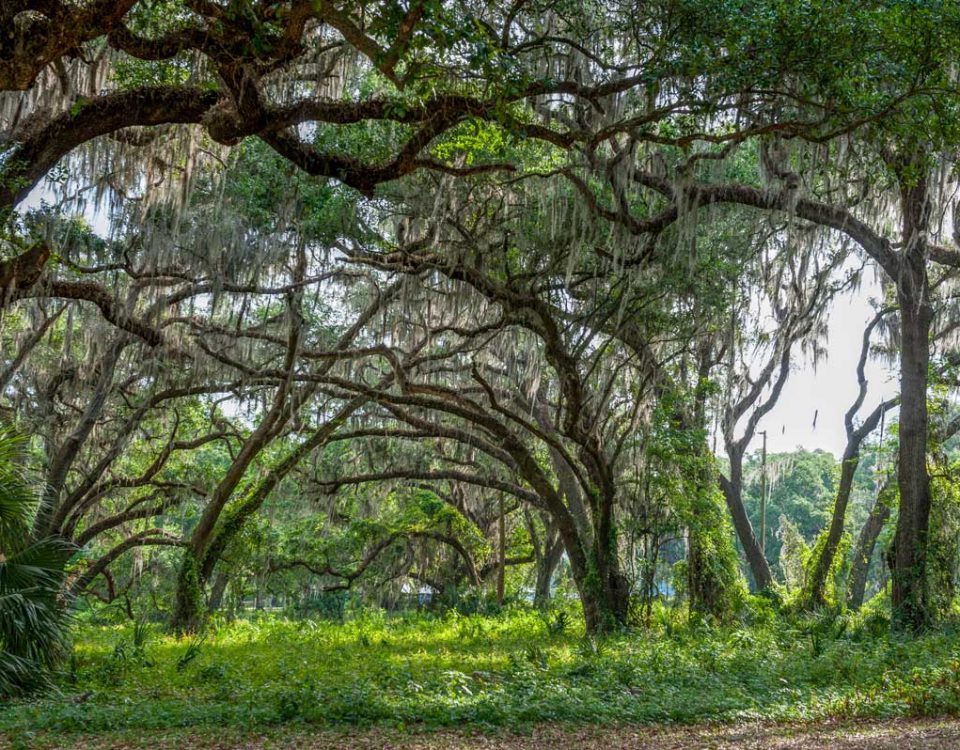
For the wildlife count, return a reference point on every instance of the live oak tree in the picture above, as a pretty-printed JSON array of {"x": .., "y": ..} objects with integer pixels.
[
  {"x": 907, "y": 267},
  {"x": 305, "y": 78},
  {"x": 793, "y": 294},
  {"x": 124, "y": 77},
  {"x": 548, "y": 287},
  {"x": 580, "y": 159},
  {"x": 844, "y": 183},
  {"x": 158, "y": 341},
  {"x": 825, "y": 551}
]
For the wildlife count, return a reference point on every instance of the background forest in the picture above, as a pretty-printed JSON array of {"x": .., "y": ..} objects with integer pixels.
[{"x": 359, "y": 328}]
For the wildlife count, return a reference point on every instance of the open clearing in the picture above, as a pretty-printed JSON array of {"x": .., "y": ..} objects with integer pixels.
[{"x": 505, "y": 672}]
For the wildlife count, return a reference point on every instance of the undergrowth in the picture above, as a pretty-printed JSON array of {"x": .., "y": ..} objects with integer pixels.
[{"x": 509, "y": 670}]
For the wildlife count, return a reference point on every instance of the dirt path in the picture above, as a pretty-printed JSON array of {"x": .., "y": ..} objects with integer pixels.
[{"x": 927, "y": 734}]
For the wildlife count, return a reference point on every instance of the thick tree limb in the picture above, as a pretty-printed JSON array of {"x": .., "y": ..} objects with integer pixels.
[{"x": 155, "y": 537}]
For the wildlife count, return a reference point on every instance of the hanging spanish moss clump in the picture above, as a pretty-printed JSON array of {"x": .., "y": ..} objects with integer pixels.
[{"x": 59, "y": 87}]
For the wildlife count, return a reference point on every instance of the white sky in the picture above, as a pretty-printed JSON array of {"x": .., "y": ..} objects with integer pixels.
[{"x": 829, "y": 390}]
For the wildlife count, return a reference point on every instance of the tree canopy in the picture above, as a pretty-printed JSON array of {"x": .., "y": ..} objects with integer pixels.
[{"x": 311, "y": 297}]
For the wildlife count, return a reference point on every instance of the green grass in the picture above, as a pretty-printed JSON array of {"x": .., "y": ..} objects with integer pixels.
[{"x": 510, "y": 670}]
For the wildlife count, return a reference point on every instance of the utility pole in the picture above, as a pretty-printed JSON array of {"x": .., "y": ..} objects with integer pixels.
[
  {"x": 502, "y": 567},
  {"x": 763, "y": 494}
]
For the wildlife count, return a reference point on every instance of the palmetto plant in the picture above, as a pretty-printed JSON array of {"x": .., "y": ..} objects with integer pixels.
[{"x": 31, "y": 571}]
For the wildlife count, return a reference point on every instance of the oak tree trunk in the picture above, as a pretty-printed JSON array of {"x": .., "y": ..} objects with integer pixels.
[
  {"x": 866, "y": 544},
  {"x": 733, "y": 494},
  {"x": 546, "y": 567},
  {"x": 909, "y": 553},
  {"x": 910, "y": 607}
]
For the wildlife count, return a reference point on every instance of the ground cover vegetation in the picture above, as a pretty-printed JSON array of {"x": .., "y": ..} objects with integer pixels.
[
  {"x": 513, "y": 670},
  {"x": 329, "y": 309}
]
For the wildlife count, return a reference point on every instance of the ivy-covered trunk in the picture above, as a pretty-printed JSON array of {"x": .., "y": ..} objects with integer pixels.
[
  {"x": 713, "y": 569},
  {"x": 605, "y": 596},
  {"x": 866, "y": 544},
  {"x": 188, "y": 609},
  {"x": 603, "y": 589},
  {"x": 703, "y": 592}
]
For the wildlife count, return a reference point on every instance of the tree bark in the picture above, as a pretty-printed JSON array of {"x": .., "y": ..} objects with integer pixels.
[
  {"x": 603, "y": 589},
  {"x": 546, "y": 567},
  {"x": 910, "y": 607},
  {"x": 820, "y": 569},
  {"x": 733, "y": 494},
  {"x": 909, "y": 553},
  {"x": 23, "y": 271},
  {"x": 866, "y": 543},
  {"x": 502, "y": 551},
  {"x": 215, "y": 601}
]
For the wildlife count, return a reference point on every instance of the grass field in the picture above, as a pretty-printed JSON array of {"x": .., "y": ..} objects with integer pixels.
[{"x": 507, "y": 672}]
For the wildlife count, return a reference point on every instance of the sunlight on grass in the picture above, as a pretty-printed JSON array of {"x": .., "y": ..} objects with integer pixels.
[{"x": 507, "y": 670}]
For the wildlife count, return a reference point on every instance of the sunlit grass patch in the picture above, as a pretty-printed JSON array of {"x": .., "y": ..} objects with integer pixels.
[{"x": 510, "y": 670}]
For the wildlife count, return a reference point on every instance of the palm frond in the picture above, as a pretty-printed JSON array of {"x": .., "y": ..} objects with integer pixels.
[
  {"x": 32, "y": 613},
  {"x": 17, "y": 500}
]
